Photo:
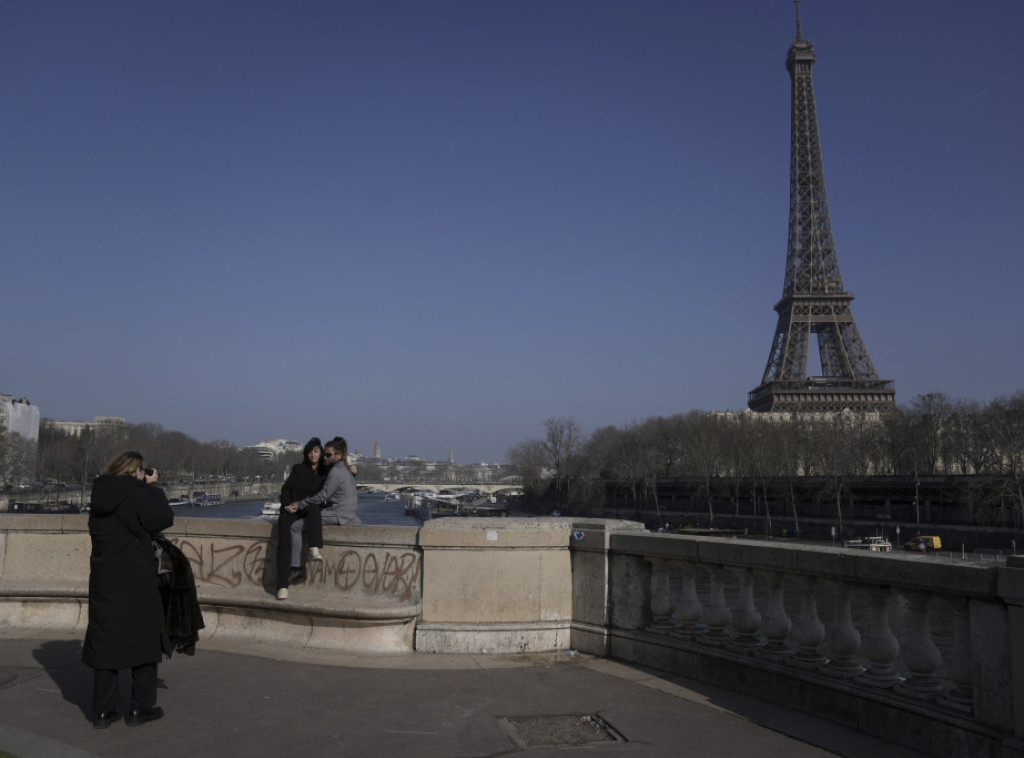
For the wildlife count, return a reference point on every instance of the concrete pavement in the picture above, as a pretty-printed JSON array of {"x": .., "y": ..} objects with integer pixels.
[{"x": 234, "y": 699}]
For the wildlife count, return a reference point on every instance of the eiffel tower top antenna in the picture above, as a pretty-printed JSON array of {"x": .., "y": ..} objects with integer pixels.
[{"x": 799, "y": 33}]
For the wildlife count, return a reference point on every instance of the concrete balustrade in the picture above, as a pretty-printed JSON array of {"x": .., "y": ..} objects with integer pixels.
[
  {"x": 919, "y": 650},
  {"x": 915, "y": 649}
]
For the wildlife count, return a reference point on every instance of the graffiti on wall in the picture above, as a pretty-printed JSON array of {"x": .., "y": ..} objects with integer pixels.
[
  {"x": 375, "y": 572},
  {"x": 388, "y": 574}
]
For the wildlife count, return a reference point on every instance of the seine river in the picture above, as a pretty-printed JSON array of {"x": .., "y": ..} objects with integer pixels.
[{"x": 371, "y": 510}]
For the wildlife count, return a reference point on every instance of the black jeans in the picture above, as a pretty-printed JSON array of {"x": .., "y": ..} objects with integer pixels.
[
  {"x": 106, "y": 691},
  {"x": 312, "y": 529}
]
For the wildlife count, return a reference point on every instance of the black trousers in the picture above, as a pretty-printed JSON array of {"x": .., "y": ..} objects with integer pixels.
[
  {"x": 312, "y": 529},
  {"x": 106, "y": 692}
]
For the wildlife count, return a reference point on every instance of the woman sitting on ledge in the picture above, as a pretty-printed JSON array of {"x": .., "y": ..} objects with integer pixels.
[{"x": 306, "y": 478}]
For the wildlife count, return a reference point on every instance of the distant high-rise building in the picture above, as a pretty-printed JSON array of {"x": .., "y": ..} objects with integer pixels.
[
  {"x": 98, "y": 424},
  {"x": 814, "y": 300},
  {"x": 19, "y": 416},
  {"x": 376, "y": 450}
]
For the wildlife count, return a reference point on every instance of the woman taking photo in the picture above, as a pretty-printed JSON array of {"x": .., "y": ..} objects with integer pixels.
[
  {"x": 126, "y": 614},
  {"x": 306, "y": 478}
]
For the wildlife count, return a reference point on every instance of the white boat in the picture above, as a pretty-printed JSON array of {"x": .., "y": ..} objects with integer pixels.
[
  {"x": 179, "y": 502},
  {"x": 271, "y": 508},
  {"x": 872, "y": 544}
]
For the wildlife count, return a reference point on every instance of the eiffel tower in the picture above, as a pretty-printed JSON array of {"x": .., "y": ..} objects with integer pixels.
[{"x": 814, "y": 300}]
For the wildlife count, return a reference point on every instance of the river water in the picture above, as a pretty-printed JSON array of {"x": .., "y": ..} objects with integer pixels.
[{"x": 371, "y": 510}]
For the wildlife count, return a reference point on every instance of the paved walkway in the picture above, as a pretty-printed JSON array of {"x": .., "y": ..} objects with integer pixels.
[{"x": 256, "y": 700}]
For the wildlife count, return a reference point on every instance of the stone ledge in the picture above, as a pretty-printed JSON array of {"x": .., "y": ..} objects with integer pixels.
[
  {"x": 528, "y": 637},
  {"x": 359, "y": 627},
  {"x": 311, "y": 603},
  {"x": 21, "y": 588}
]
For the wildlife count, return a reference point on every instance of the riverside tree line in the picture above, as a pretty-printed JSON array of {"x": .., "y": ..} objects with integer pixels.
[
  {"x": 74, "y": 460},
  {"x": 743, "y": 455},
  {"x": 61, "y": 458}
]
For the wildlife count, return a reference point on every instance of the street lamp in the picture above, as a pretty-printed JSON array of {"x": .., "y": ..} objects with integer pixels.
[{"x": 917, "y": 502}]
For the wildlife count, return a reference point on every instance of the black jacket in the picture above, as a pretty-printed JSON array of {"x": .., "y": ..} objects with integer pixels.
[
  {"x": 183, "y": 617},
  {"x": 302, "y": 482},
  {"x": 126, "y": 614}
]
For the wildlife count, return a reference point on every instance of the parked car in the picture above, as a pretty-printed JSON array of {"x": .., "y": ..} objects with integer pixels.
[{"x": 926, "y": 544}]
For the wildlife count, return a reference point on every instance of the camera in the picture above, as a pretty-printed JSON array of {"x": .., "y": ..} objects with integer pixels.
[{"x": 149, "y": 471}]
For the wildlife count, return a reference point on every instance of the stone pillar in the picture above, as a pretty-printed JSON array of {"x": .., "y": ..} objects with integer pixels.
[
  {"x": 1011, "y": 587},
  {"x": 495, "y": 585},
  {"x": 776, "y": 624},
  {"x": 809, "y": 632},
  {"x": 592, "y": 582},
  {"x": 746, "y": 619},
  {"x": 843, "y": 637},
  {"x": 717, "y": 613}
]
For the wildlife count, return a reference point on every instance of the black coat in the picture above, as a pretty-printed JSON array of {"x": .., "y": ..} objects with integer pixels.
[
  {"x": 126, "y": 614},
  {"x": 182, "y": 614},
  {"x": 302, "y": 482}
]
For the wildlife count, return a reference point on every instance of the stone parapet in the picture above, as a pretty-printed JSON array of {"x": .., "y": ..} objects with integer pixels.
[
  {"x": 915, "y": 649},
  {"x": 364, "y": 596},
  {"x": 499, "y": 585},
  {"x": 921, "y": 650}
]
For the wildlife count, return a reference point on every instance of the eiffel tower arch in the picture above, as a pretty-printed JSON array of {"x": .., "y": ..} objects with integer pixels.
[{"x": 814, "y": 300}]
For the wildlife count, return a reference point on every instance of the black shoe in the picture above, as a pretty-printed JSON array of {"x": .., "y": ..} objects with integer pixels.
[
  {"x": 298, "y": 576},
  {"x": 103, "y": 720},
  {"x": 144, "y": 715}
]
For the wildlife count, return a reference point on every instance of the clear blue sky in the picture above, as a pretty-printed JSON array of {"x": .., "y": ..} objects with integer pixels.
[{"x": 436, "y": 224}]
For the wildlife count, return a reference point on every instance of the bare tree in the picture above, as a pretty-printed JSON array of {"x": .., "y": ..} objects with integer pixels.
[
  {"x": 563, "y": 442},
  {"x": 529, "y": 460},
  {"x": 17, "y": 459}
]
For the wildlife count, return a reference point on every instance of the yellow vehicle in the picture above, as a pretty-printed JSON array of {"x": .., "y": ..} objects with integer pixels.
[{"x": 926, "y": 544}]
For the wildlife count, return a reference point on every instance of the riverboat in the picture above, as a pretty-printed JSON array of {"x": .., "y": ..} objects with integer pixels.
[
  {"x": 271, "y": 508},
  {"x": 61, "y": 507},
  {"x": 201, "y": 499},
  {"x": 426, "y": 507},
  {"x": 871, "y": 544},
  {"x": 180, "y": 502}
]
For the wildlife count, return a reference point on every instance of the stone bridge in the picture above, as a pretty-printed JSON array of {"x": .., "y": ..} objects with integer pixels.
[{"x": 922, "y": 650}]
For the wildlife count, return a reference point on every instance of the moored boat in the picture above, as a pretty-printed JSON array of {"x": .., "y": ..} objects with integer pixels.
[{"x": 872, "y": 544}]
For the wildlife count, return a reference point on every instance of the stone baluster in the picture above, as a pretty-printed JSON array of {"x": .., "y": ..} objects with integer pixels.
[
  {"x": 746, "y": 619},
  {"x": 689, "y": 611},
  {"x": 920, "y": 653},
  {"x": 880, "y": 645},
  {"x": 716, "y": 612},
  {"x": 959, "y": 658},
  {"x": 843, "y": 637},
  {"x": 776, "y": 625},
  {"x": 662, "y": 604},
  {"x": 808, "y": 631}
]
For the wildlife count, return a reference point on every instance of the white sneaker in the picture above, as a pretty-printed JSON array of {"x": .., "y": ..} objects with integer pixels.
[
  {"x": 314, "y": 554},
  {"x": 282, "y": 594}
]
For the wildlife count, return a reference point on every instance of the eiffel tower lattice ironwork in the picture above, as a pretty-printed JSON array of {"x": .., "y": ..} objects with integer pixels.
[{"x": 814, "y": 300}]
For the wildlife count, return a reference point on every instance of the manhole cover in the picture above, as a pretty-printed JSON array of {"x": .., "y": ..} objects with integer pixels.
[
  {"x": 16, "y": 675},
  {"x": 559, "y": 731}
]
